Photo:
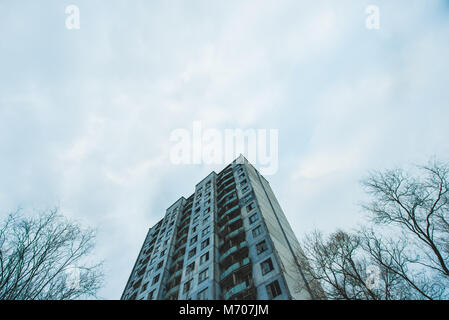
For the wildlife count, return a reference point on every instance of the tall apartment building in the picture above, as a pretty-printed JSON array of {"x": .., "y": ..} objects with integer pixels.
[{"x": 229, "y": 240}]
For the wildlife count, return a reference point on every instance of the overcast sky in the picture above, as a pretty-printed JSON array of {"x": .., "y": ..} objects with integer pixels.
[{"x": 86, "y": 115}]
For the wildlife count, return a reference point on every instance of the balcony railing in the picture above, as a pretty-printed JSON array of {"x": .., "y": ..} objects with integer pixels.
[
  {"x": 234, "y": 267},
  {"x": 172, "y": 290},
  {"x": 224, "y": 174},
  {"x": 233, "y": 234},
  {"x": 176, "y": 274},
  {"x": 225, "y": 189},
  {"x": 225, "y": 195},
  {"x": 225, "y": 181},
  {"x": 228, "y": 223},
  {"x": 236, "y": 290},
  {"x": 232, "y": 250},
  {"x": 227, "y": 212}
]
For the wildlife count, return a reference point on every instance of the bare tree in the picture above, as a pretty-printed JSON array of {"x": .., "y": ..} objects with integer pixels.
[
  {"x": 402, "y": 253},
  {"x": 418, "y": 206},
  {"x": 400, "y": 259},
  {"x": 46, "y": 258},
  {"x": 340, "y": 264}
]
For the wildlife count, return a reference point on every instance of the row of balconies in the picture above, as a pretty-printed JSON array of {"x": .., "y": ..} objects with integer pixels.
[{"x": 177, "y": 262}]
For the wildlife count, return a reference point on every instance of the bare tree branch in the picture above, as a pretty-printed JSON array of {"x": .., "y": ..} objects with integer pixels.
[{"x": 37, "y": 255}]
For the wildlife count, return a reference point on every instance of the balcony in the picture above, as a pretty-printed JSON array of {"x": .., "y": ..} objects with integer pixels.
[
  {"x": 233, "y": 234},
  {"x": 178, "y": 260},
  {"x": 179, "y": 241},
  {"x": 236, "y": 266},
  {"x": 176, "y": 274},
  {"x": 225, "y": 195},
  {"x": 236, "y": 290},
  {"x": 228, "y": 211},
  {"x": 229, "y": 223},
  {"x": 225, "y": 189},
  {"x": 233, "y": 250},
  {"x": 184, "y": 223},
  {"x": 229, "y": 201},
  {"x": 172, "y": 290},
  {"x": 183, "y": 230},
  {"x": 179, "y": 248},
  {"x": 225, "y": 171},
  {"x": 223, "y": 184}
]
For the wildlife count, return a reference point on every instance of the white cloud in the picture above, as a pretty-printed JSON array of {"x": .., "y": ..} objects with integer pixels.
[{"x": 86, "y": 116}]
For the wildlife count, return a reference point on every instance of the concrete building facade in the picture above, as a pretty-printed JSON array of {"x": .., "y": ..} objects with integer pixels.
[{"x": 230, "y": 240}]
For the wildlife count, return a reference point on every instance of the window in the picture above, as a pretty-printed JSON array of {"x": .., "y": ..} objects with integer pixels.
[
  {"x": 203, "y": 275},
  {"x": 162, "y": 253},
  {"x": 206, "y": 219},
  {"x": 207, "y": 210},
  {"x": 250, "y": 207},
  {"x": 150, "y": 295},
  {"x": 202, "y": 295},
  {"x": 194, "y": 229},
  {"x": 190, "y": 268},
  {"x": 205, "y": 231},
  {"x": 253, "y": 218},
  {"x": 266, "y": 266},
  {"x": 193, "y": 240},
  {"x": 144, "y": 287},
  {"x": 242, "y": 176},
  {"x": 204, "y": 258},
  {"x": 192, "y": 253},
  {"x": 159, "y": 265},
  {"x": 155, "y": 279},
  {"x": 243, "y": 183},
  {"x": 187, "y": 286},
  {"x": 261, "y": 247},
  {"x": 273, "y": 289},
  {"x": 257, "y": 231},
  {"x": 205, "y": 243},
  {"x": 245, "y": 189}
]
